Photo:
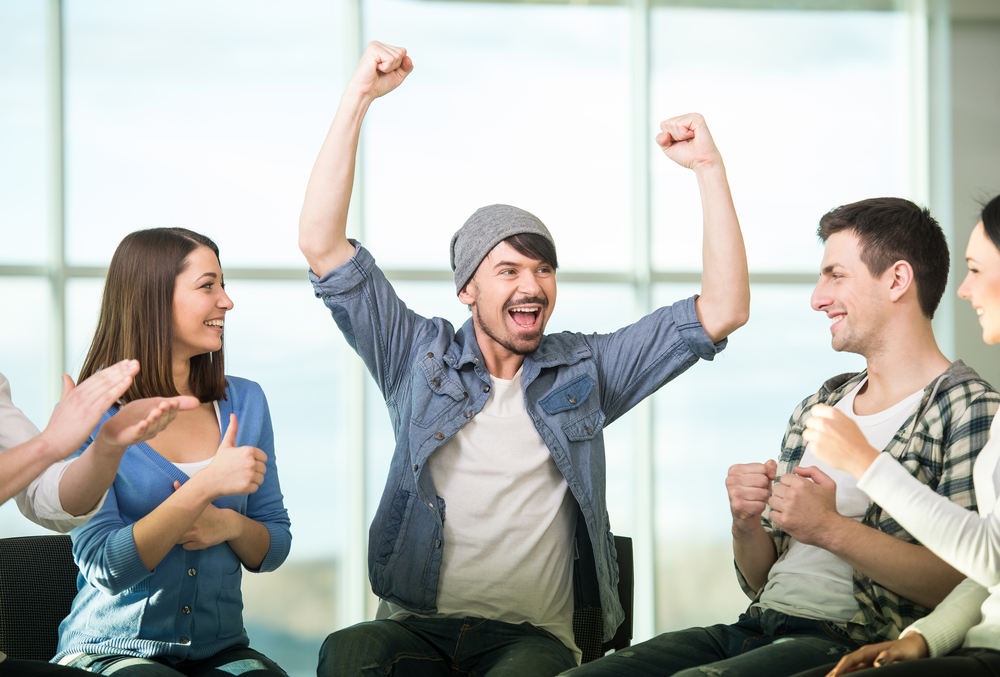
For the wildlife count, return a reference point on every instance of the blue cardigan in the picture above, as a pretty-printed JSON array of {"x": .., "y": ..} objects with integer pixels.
[{"x": 190, "y": 606}]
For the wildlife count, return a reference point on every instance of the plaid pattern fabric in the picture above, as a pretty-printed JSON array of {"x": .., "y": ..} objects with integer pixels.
[{"x": 939, "y": 447}]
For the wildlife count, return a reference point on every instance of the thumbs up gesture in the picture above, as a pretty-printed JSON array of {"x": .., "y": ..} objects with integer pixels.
[{"x": 235, "y": 470}]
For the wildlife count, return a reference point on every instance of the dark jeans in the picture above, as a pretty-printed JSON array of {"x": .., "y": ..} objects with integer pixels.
[
  {"x": 963, "y": 663},
  {"x": 235, "y": 662},
  {"x": 771, "y": 645},
  {"x": 442, "y": 647},
  {"x": 17, "y": 668}
]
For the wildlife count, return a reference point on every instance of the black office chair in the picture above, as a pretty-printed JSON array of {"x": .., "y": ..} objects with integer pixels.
[
  {"x": 37, "y": 588},
  {"x": 588, "y": 624}
]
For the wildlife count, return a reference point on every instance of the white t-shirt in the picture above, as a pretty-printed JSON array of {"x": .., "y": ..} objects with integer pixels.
[
  {"x": 509, "y": 522},
  {"x": 808, "y": 581}
]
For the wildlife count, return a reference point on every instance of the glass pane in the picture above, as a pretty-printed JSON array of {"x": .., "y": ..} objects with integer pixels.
[
  {"x": 201, "y": 115},
  {"x": 24, "y": 360},
  {"x": 811, "y": 110},
  {"x": 523, "y": 104},
  {"x": 24, "y": 120},
  {"x": 83, "y": 304},
  {"x": 733, "y": 410}
]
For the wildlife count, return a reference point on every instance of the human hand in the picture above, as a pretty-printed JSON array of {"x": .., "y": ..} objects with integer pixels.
[
  {"x": 234, "y": 470},
  {"x": 213, "y": 526},
  {"x": 141, "y": 420},
  {"x": 382, "y": 68},
  {"x": 686, "y": 140},
  {"x": 81, "y": 407},
  {"x": 909, "y": 647},
  {"x": 837, "y": 440},
  {"x": 804, "y": 504},
  {"x": 749, "y": 487}
]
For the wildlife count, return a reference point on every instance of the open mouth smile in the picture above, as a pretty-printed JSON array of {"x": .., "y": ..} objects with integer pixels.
[{"x": 525, "y": 317}]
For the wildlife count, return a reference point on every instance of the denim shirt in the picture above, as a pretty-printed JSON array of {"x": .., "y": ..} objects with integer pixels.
[{"x": 435, "y": 380}]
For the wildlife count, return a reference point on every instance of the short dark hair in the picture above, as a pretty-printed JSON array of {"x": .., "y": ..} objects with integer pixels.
[
  {"x": 534, "y": 246},
  {"x": 892, "y": 229},
  {"x": 990, "y": 217},
  {"x": 137, "y": 316}
]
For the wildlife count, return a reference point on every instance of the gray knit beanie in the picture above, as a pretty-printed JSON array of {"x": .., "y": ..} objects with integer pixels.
[{"x": 484, "y": 230}]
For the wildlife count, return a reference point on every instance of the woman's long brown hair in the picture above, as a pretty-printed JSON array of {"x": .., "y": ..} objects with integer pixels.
[{"x": 137, "y": 316}]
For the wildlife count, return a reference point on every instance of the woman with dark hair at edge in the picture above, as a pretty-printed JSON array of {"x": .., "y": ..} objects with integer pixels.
[
  {"x": 160, "y": 562},
  {"x": 962, "y": 635},
  {"x": 60, "y": 494}
]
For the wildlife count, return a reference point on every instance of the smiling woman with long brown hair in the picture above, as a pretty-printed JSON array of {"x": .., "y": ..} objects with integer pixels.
[{"x": 159, "y": 590}]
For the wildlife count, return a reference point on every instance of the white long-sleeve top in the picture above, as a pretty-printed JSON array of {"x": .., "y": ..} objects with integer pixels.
[
  {"x": 39, "y": 501},
  {"x": 970, "y": 542}
]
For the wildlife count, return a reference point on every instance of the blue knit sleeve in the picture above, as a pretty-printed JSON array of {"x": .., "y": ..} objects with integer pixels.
[{"x": 266, "y": 505}]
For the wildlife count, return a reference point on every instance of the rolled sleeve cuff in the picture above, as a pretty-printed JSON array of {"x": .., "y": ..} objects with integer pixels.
[
  {"x": 277, "y": 551},
  {"x": 40, "y": 502},
  {"x": 346, "y": 277},
  {"x": 693, "y": 333}
]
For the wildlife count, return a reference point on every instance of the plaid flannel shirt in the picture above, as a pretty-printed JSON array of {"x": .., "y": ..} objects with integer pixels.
[{"x": 938, "y": 447}]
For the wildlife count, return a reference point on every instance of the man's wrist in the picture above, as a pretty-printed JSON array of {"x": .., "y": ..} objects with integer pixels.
[{"x": 744, "y": 527}]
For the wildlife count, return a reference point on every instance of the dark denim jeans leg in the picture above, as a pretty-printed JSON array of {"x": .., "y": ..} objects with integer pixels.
[
  {"x": 772, "y": 645},
  {"x": 432, "y": 647}
]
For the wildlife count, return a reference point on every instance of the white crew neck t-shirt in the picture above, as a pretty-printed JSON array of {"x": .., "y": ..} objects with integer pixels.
[
  {"x": 808, "y": 581},
  {"x": 509, "y": 522}
]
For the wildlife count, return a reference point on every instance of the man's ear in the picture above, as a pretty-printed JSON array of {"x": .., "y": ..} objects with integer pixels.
[
  {"x": 900, "y": 278},
  {"x": 468, "y": 295}
]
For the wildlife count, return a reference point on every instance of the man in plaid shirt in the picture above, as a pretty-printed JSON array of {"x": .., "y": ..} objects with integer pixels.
[{"x": 827, "y": 569}]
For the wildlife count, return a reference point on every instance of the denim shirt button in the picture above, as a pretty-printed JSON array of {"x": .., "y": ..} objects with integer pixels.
[
  {"x": 588, "y": 431},
  {"x": 572, "y": 400},
  {"x": 465, "y": 394},
  {"x": 486, "y": 389},
  {"x": 437, "y": 544},
  {"x": 439, "y": 436},
  {"x": 436, "y": 383},
  {"x": 468, "y": 414},
  {"x": 430, "y": 505},
  {"x": 185, "y": 640},
  {"x": 191, "y": 572},
  {"x": 416, "y": 467},
  {"x": 430, "y": 354},
  {"x": 185, "y": 609}
]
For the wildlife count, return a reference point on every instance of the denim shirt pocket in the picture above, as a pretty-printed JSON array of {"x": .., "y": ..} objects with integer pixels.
[
  {"x": 435, "y": 392},
  {"x": 568, "y": 396},
  {"x": 585, "y": 426}
]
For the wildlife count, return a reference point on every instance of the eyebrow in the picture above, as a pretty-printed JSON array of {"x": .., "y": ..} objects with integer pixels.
[
  {"x": 829, "y": 269},
  {"x": 505, "y": 264},
  {"x": 212, "y": 275}
]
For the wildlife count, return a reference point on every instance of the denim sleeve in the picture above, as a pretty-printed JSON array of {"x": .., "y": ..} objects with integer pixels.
[
  {"x": 375, "y": 322},
  {"x": 636, "y": 361}
]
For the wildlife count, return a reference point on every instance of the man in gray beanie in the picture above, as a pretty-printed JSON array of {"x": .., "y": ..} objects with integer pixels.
[{"x": 498, "y": 425}]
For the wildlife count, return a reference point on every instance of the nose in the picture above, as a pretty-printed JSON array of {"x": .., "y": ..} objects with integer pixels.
[
  {"x": 529, "y": 284},
  {"x": 224, "y": 301},
  {"x": 965, "y": 290},
  {"x": 820, "y": 299}
]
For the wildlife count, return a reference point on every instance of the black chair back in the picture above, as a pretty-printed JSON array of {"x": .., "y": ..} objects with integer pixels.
[
  {"x": 37, "y": 588},
  {"x": 588, "y": 624}
]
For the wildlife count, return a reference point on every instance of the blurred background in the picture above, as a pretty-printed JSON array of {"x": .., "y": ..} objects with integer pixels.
[{"x": 117, "y": 115}]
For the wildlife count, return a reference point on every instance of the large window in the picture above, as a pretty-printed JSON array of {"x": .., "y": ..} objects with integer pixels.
[{"x": 119, "y": 116}]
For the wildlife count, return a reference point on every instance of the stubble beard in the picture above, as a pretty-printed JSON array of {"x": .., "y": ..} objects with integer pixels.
[{"x": 506, "y": 342}]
